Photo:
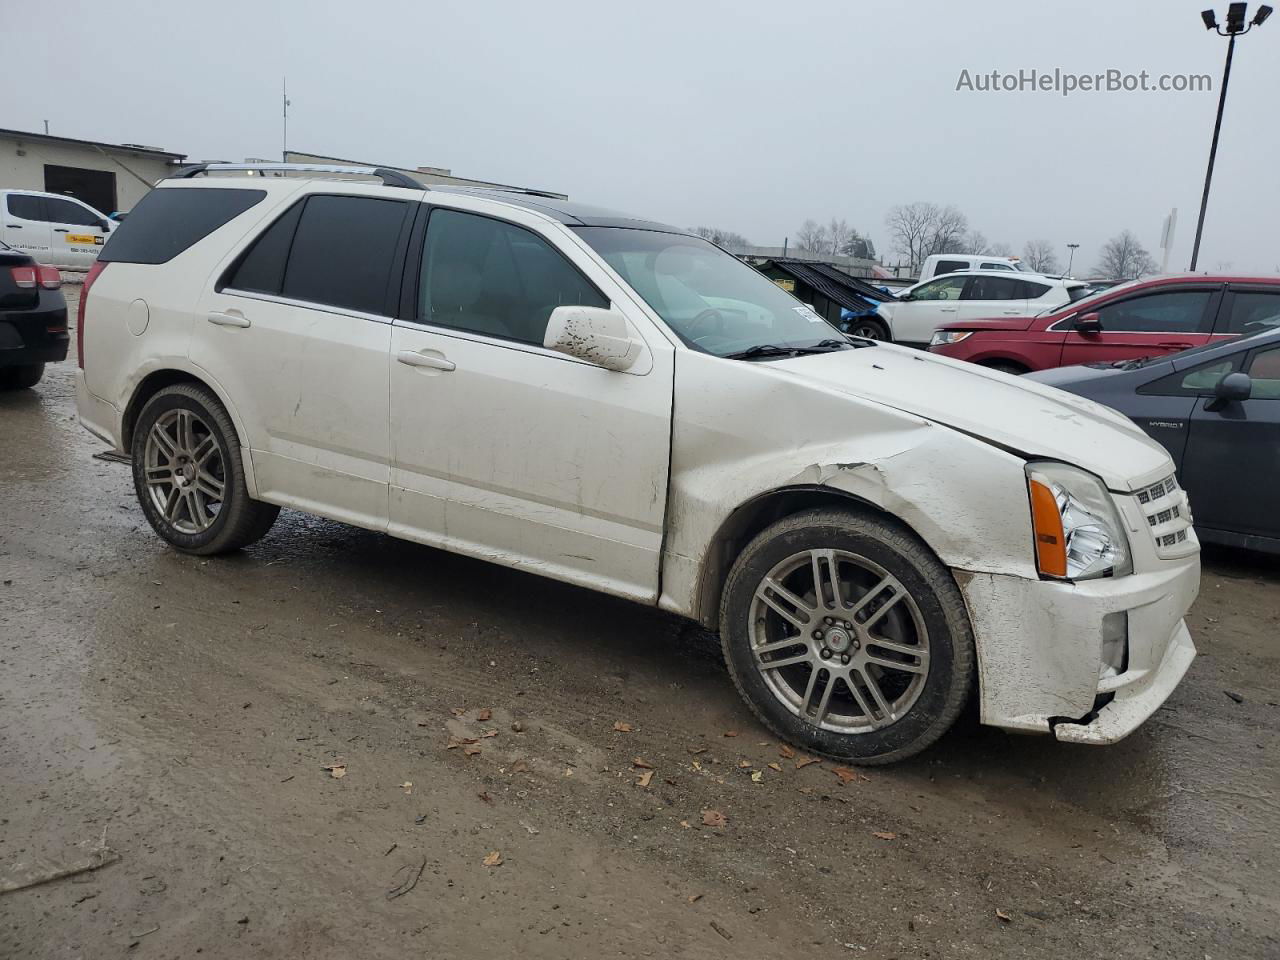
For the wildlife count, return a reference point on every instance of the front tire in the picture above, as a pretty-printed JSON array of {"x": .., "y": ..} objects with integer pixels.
[
  {"x": 21, "y": 378},
  {"x": 868, "y": 328},
  {"x": 847, "y": 637},
  {"x": 188, "y": 473}
]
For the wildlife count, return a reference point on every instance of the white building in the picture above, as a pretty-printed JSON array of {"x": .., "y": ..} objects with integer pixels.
[{"x": 107, "y": 176}]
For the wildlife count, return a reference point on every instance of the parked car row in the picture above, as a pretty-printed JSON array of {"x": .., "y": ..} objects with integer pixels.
[{"x": 33, "y": 319}]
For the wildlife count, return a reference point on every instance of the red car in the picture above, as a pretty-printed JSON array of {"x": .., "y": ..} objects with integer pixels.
[{"x": 1142, "y": 318}]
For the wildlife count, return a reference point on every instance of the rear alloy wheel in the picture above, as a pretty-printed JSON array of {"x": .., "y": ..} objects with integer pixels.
[
  {"x": 189, "y": 475},
  {"x": 21, "y": 378},
  {"x": 868, "y": 328},
  {"x": 847, "y": 636}
]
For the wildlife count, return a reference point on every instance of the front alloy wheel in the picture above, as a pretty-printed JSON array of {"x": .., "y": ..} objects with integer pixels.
[{"x": 847, "y": 636}]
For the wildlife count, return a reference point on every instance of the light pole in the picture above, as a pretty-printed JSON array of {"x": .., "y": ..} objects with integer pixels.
[
  {"x": 1235, "y": 27},
  {"x": 1071, "y": 257}
]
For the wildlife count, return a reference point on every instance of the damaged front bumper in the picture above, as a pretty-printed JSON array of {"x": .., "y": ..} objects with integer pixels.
[{"x": 1040, "y": 643}]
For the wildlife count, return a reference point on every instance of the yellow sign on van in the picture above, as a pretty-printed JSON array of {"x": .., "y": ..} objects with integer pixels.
[
  {"x": 787, "y": 285},
  {"x": 88, "y": 239}
]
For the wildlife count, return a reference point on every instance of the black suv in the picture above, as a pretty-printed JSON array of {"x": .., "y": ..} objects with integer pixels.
[{"x": 33, "y": 319}]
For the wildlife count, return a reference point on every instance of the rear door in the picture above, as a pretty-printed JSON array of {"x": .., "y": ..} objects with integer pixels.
[
  {"x": 26, "y": 224},
  {"x": 1232, "y": 464},
  {"x": 993, "y": 297},
  {"x": 297, "y": 332},
  {"x": 1248, "y": 309},
  {"x": 1146, "y": 324},
  {"x": 77, "y": 233}
]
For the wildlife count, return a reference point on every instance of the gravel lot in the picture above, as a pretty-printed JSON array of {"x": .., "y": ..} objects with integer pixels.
[{"x": 185, "y": 710}]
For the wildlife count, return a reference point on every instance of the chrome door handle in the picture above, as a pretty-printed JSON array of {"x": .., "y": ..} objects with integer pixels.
[
  {"x": 229, "y": 319},
  {"x": 946, "y": 309},
  {"x": 414, "y": 359}
]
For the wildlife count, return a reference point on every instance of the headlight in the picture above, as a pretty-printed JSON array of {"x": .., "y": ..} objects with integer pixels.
[
  {"x": 1078, "y": 531},
  {"x": 941, "y": 337}
]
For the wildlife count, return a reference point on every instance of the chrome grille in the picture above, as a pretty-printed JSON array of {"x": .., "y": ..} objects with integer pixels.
[{"x": 1164, "y": 504}]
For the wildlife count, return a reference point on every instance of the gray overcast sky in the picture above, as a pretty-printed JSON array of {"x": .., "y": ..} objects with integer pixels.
[{"x": 746, "y": 115}]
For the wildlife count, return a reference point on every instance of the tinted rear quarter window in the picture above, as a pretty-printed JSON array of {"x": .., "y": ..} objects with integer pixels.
[
  {"x": 1032, "y": 290},
  {"x": 261, "y": 267},
  {"x": 169, "y": 220},
  {"x": 343, "y": 251}
]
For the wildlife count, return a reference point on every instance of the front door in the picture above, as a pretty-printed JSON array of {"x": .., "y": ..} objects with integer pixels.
[
  {"x": 1231, "y": 468},
  {"x": 77, "y": 232},
  {"x": 26, "y": 225},
  {"x": 297, "y": 335},
  {"x": 931, "y": 305},
  {"x": 508, "y": 451},
  {"x": 1145, "y": 325}
]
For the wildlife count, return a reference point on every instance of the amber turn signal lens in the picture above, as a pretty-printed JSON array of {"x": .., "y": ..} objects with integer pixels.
[{"x": 1051, "y": 542}]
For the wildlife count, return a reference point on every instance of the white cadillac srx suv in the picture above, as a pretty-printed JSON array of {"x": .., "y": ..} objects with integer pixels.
[{"x": 877, "y": 533}]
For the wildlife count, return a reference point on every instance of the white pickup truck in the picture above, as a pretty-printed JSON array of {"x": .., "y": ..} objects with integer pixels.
[{"x": 878, "y": 534}]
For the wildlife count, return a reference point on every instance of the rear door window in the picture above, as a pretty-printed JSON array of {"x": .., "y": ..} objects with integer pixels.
[
  {"x": 27, "y": 207},
  {"x": 1252, "y": 311},
  {"x": 343, "y": 251},
  {"x": 169, "y": 220},
  {"x": 994, "y": 288}
]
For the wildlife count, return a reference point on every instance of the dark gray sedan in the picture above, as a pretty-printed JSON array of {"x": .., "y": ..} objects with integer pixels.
[{"x": 1217, "y": 410}]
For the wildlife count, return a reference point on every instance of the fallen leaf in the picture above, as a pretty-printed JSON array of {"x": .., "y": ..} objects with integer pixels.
[
  {"x": 520, "y": 767},
  {"x": 713, "y": 818},
  {"x": 743, "y": 764},
  {"x": 805, "y": 761},
  {"x": 458, "y": 711},
  {"x": 1001, "y": 915},
  {"x": 787, "y": 752},
  {"x": 455, "y": 742},
  {"x": 685, "y": 824},
  {"x": 407, "y": 786},
  {"x": 731, "y": 733},
  {"x": 485, "y": 714},
  {"x": 471, "y": 751},
  {"x": 488, "y": 733},
  {"x": 643, "y": 765},
  {"x": 695, "y": 897},
  {"x": 645, "y": 777},
  {"x": 697, "y": 765},
  {"x": 621, "y": 727},
  {"x": 494, "y": 859},
  {"x": 774, "y": 766},
  {"x": 885, "y": 835},
  {"x": 336, "y": 770},
  {"x": 484, "y": 795},
  {"x": 696, "y": 750},
  {"x": 845, "y": 774},
  {"x": 757, "y": 776}
]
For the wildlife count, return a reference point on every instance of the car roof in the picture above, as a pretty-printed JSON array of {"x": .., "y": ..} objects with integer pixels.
[{"x": 1014, "y": 274}]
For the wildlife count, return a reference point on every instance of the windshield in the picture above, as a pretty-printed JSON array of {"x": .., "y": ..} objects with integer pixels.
[
  {"x": 1085, "y": 302},
  {"x": 713, "y": 301}
]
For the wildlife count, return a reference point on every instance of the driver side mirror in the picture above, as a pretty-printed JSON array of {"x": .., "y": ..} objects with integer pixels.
[
  {"x": 907, "y": 297},
  {"x": 594, "y": 334},
  {"x": 1088, "y": 323},
  {"x": 104, "y": 225},
  {"x": 1233, "y": 388}
]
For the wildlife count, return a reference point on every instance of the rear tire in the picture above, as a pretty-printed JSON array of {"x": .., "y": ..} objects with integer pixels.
[
  {"x": 188, "y": 473},
  {"x": 870, "y": 677},
  {"x": 21, "y": 378}
]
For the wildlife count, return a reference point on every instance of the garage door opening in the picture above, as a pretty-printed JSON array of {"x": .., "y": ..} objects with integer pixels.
[{"x": 97, "y": 188}]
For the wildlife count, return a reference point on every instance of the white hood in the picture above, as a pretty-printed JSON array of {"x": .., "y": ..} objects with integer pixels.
[{"x": 1020, "y": 415}]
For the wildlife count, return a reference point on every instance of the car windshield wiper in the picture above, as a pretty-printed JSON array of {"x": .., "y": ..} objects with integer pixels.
[{"x": 763, "y": 350}]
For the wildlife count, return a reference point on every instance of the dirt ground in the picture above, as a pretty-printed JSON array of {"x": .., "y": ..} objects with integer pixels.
[{"x": 184, "y": 711}]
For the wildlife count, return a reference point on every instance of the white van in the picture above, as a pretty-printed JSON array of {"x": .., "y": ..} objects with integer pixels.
[
  {"x": 56, "y": 230},
  {"x": 878, "y": 533},
  {"x": 940, "y": 263}
]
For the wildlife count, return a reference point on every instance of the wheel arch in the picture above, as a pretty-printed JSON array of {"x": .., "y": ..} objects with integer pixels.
[
  {"x": 762, "y": 510},
  {"x": 156, "y": 380}
]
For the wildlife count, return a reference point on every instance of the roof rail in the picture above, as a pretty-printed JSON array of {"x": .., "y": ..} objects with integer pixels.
[
  {"x": 392, "y": 178},
  {"x": 527, "y": 191}
]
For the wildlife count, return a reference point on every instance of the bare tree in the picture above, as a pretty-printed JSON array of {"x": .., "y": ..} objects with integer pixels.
[
  {"x": 976, "y": 242},
  {"x": 811, "y": 237},
  {"x": 839, "y": 233},
  {"x": 1124, "y": 257},
  {"x": 1000, "y": 249},
  {"x": 1039, "y": 256},
  {"x": 920, "y": 229},
  {"x": 723, "y": 238}
]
